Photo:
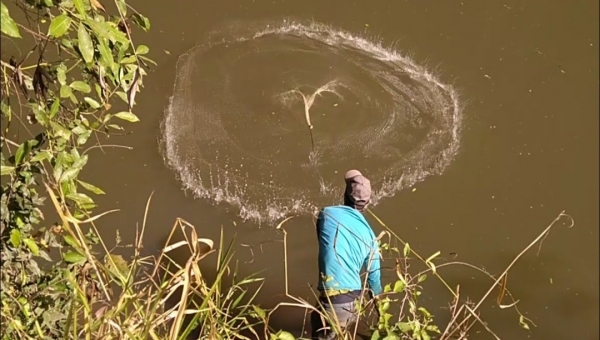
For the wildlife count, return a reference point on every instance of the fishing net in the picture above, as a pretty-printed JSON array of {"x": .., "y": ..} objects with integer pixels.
[{"x": 237, "y": 127}]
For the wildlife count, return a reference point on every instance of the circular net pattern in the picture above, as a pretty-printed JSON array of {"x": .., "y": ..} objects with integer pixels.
[{"x": 237, "y": 129}]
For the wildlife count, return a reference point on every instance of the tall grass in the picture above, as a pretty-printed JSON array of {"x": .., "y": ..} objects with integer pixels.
[
  {"x": 119, "y": 299},
  {"x": 157, "y": 297}
]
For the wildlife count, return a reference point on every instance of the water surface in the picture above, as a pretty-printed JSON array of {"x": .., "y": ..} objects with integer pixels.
[{"x": 528, "y": 75}]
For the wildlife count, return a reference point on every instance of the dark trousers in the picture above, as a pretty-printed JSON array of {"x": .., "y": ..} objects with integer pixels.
[{"x": 340, "y": 309}]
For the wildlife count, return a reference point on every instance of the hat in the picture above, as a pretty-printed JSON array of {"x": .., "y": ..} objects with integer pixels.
[{"x": 358, "y": 188}]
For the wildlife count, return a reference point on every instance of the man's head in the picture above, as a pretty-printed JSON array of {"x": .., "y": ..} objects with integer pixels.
[{"x": 358, "y": 190}]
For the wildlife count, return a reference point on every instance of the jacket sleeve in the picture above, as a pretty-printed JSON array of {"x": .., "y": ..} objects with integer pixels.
[{"x": 373, "y": 267}]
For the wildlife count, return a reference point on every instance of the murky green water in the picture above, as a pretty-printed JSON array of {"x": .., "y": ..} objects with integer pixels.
[{"x": 527, "y": 74}]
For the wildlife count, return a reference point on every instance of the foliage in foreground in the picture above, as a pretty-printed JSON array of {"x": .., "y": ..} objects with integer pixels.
[
  {"x": 57, "y": 100},
  {"x": 161, "y": 298}
]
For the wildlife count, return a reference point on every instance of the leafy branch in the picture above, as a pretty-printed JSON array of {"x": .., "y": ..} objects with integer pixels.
[{"x": 58, "y": 101}]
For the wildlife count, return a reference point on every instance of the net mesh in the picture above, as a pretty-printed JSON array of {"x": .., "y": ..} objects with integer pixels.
[{"x": 236, "y": 129}]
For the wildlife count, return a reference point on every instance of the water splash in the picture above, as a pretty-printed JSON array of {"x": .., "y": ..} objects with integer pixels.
[{"x": 234, "y": 130}]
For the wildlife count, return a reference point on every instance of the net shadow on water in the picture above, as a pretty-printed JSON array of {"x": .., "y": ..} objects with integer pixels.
[{"x": 236, "y": 128}]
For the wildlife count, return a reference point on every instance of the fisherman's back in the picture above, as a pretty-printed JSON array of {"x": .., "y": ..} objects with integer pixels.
[{"x": 346, "y": 244}]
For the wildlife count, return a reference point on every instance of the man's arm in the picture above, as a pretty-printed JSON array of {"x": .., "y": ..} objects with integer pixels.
[
  {"x": 373, "y": 265},
  {"x": 319, "y": 223}
]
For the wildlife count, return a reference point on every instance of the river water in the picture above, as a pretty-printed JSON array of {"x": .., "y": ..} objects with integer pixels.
[{"x": 526, "y": 75}]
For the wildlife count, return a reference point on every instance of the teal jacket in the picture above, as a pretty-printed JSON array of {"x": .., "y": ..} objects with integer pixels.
[{"x": 346, "y": 245}]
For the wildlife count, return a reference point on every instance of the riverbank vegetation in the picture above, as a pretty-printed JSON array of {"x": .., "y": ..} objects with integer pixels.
[{"x": 71, "y": 90}]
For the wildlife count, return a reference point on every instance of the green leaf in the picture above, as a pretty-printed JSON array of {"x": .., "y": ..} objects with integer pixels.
[
  {"x": 128, "y": 116},
  {"x": 283, "y": 335},
  {"x": 404, "y": 327},
  {"x": 80, "y": 161},
  {"x": 68, "y": 175},
  {"x": 85, "y": 44},
  {"x": 40, "y": 114},
  {"x": 78, "y": 130},
  {"x": 122, "y": 7},
  {"x": 7, "y": 24},
  {"x": 22, "y": 151},
  {"x": 41, "y": 156},
  {"x": 433, "y": 328},
  {"x": 141, "y": 21},
  {"x": 80, "y": 7},
  {"x": 406, "y": 249},
  {"x": 45, "y": 256},
  {"x": 73, "y": 257},
  {"x": 6, "y": 170},
  {"x": 33, "y": 247},
  {"x": 79, "y": 198},
  {"x": 104, "y": 29},
  {"x": 148, "y": 60},
  {"x": 92, "y": 102},
  {"x": 422, "y": 278},
  {"x": 65, "y": 91},
  {"x": 392, "y": 337},
  {"x": 60, "y": 131},
  {"x": 115, "y": 126},
  {"x": 375, "y": 335},
  {"x": 6, "y": 110},
  {"x": 70, "y": 240},
  {"x": 106, "y": 56},
  {"x": 122, "y": 95},
  {"x": 92, "y": 188},
  {"x": 128, "y": 60},
  {"x": 15, "y": 238},
  {"x": 142, "y": 49},
  {"x": 66, "y": 43},
  {"x": 51, "y": 317},
  {"x": 119, "y": 264},
  {"x": 54, "y": 108},
  {"x": 73, "y": 99},
  {"x": 84, "y": 137},
  {"x": 259, "y": 311},
  {"x": 80, "y": 86},
  {"x": 399, "y": 286},
  {"x": 425, "y": 312},
  {"x": 61, "y": 74},
  {"x": 59, "y": 26}
]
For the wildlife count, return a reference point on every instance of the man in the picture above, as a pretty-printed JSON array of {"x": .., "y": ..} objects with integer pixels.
[{"x": 346, "y": 245}]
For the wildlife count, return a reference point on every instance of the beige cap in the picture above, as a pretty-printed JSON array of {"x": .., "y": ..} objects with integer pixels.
[
  {"x": 352, "y": 173},
  {"x": 358, "y": 188}
]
